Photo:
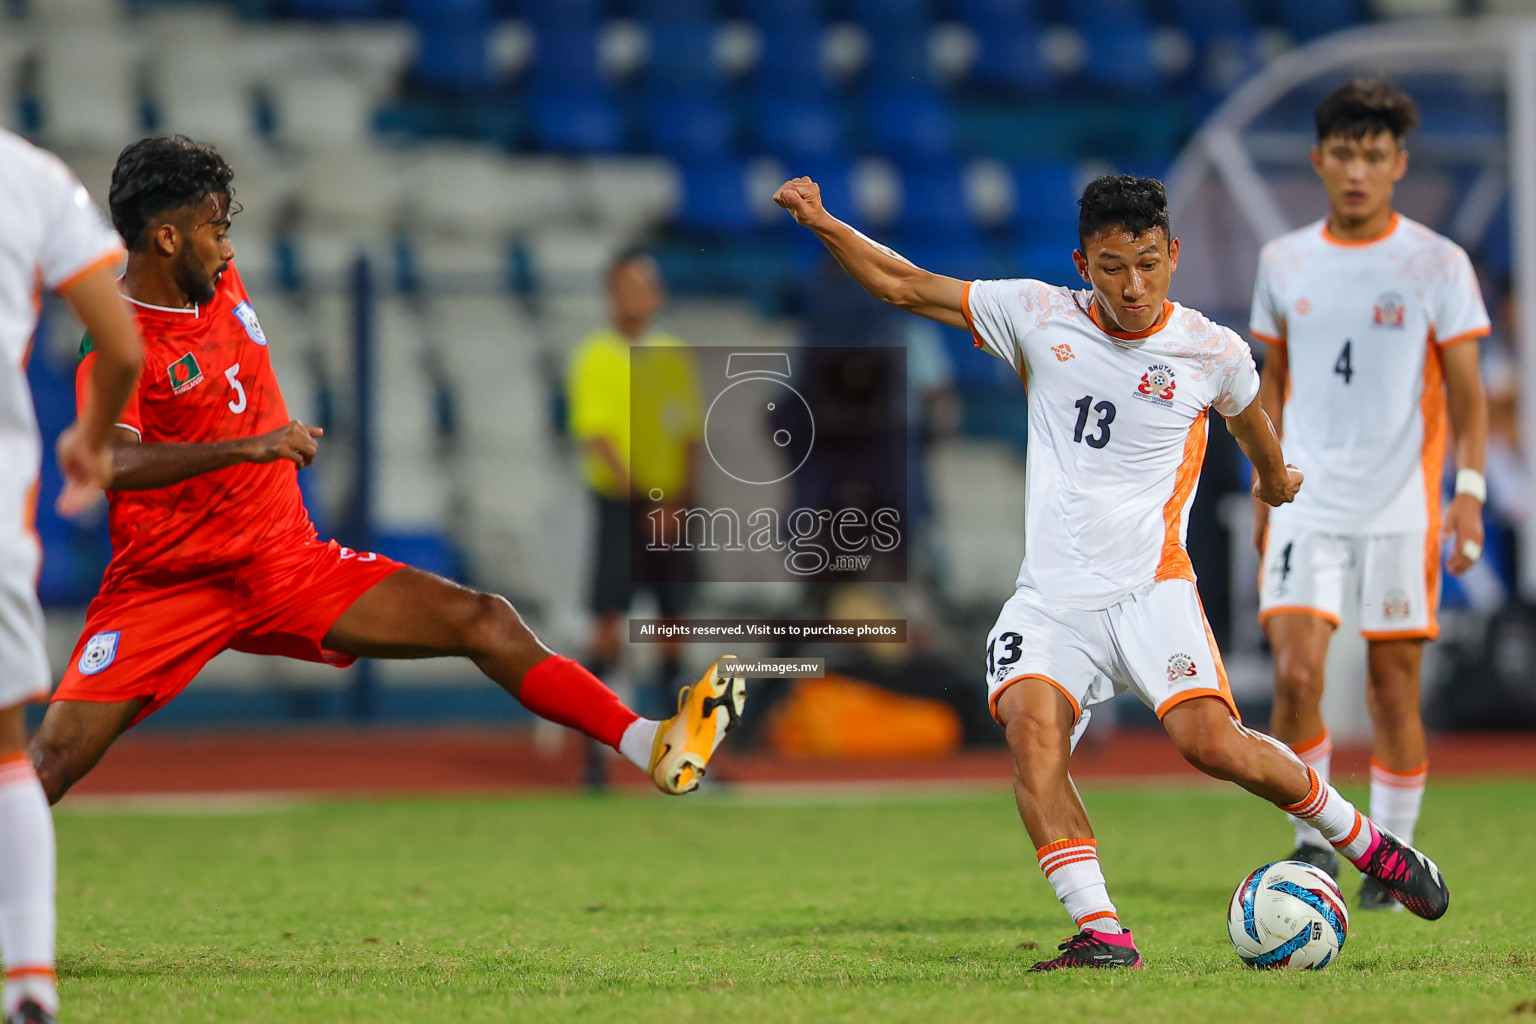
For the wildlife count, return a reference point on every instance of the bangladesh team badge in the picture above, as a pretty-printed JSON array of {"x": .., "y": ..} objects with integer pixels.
[
  {"x": 100, "y": 651},
  {"x": 185, "y": 374}
]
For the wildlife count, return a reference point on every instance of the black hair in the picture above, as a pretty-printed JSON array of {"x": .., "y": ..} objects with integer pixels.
[
  {"x": 624, "y": 257},
  {"x": 162, "y": 173},
  {"x": 1135, "y": 205},
  {"x": 1366, "y": 106}
]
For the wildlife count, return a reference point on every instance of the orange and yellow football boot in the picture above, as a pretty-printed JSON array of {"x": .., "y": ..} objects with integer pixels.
[{"x": 706, "y": 711}]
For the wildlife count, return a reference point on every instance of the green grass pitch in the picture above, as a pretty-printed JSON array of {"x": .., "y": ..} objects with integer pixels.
[{"x": 718, "y": 908}]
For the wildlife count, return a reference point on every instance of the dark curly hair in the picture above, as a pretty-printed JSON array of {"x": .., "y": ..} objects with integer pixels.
[
  {"x": 1365, "y": 106},
  {"x": 161, "y": 173},
  {"x": 1132, "y": 204}
]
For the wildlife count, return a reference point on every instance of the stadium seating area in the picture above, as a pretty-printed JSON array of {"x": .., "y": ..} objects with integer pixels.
[{"x": 490, "y": 155}]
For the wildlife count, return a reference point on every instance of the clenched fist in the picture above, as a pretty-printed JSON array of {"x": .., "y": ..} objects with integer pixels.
[
  {"x": 1278, "y": 492},
  {"x": 295, "y": 441},
  {"x": 802, "y": 198}
]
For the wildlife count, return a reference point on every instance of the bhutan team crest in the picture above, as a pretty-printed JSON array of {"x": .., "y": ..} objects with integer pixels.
[
  {"x": 1388, "y": 311},
  {"x": 1181, "y": 666},
  {"x": 1157, "y": 385}
]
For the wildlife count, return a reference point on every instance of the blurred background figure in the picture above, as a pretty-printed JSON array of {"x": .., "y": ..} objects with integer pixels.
[{"x": 639, "y": 452}]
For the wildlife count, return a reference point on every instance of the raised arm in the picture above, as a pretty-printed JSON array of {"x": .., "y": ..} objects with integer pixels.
[
  {"x": 1467, "y": 407},
  {"x": 884, "y": 273},
  {"x": 1274, "y": 482},
  {"x": 143, "y": 467},
  {"x": 83, "y": 446}
]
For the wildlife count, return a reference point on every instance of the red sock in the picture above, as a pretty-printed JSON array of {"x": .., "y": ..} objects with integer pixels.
[{"x": 562, "y": 691}]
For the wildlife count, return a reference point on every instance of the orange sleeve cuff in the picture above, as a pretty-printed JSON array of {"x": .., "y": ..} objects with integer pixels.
[
  {"x": 1472, "y": 335},
  {"x": 104, "y": 260}
]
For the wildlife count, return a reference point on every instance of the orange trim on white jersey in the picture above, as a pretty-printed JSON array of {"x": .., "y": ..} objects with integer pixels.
[
  {"x": 1465, "y": 336},
  {"x": 1268, "y": 339},
  {"x": 965, "y": 311},
  {"x": 1298, "y": 609},
  {"x": 1174, "y": 562},
  {"x": 101, "y": 262},
  {"x": 1432, "y": 461},
  {"x": 1162, "y": 321},
  {"x": 1077, "y": 709},
  {"x": 1351, "y": 243}
]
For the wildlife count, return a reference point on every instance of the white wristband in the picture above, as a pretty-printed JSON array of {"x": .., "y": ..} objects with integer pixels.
[{"x": 1470, "y": 481}]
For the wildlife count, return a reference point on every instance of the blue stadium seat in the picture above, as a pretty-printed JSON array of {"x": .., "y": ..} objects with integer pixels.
[
  {"x": 672, "y": 10},
  {"x": 898, "y": 57},
  {"x": 686, "y": 126},
  {"x": 1095, "y": 15},
  {"x": 453, "y": 58},
  {"x": 460, "y": 13},
  {"x": 791, "y": 59},
  {"x": 566, "y": 58},
  {"x": 808, "y": 13},
  {"x": 998, "y": 15},
  {"x": 1012, "y": 59},
  {"x": 933, "y": 197},
  {"x": 567, "y": 122},
  {"x": 683, "y": 56},
  {"x": 715, "y": 197},
  {"x": 1308, "y": 19},
  {"x": 796, "y": 128},
  {"x": 884, "y": 14},
  {"x": 1048, "y": 261},
  {"x": 559, "y": 13},
  {"x": 1206, "y": 19},
  {"x": 1045, "y": 206},
  {"x": 912, "y": 125},
  {"x": 955, "y": 249},
  {"x": 1120, "y": 56}
]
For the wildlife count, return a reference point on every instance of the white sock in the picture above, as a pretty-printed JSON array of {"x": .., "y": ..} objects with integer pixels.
[
  {"x": 1396, "y": 798},
  {"x": 1325, "y": 809},
  {"x": 637, "y": 741},
  {"x": 1072, "y": 868},
  {"x": 27, "y": 916},
  {"x": 1317, "y": 754}
]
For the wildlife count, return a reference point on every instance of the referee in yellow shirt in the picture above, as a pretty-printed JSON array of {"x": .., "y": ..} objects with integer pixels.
[{"x": 667, "y": 429}]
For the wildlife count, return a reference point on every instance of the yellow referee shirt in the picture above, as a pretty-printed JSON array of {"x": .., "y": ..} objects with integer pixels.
[{"x": 666, "y": 420}]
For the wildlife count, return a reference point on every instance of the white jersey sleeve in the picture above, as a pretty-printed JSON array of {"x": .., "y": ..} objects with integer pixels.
[
  {"x": 1456, "y": 307},
  {"x": 78, "y": 238},
  {"x": 1238, "y": 375},
  {"x": 987, "y": 308},
  {"x": 1266, "y": 321}
]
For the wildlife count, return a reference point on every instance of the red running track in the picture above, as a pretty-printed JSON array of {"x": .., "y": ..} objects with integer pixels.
[{"x": 507, "y": 760}]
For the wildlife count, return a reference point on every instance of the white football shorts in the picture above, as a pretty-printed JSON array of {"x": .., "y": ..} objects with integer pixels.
[
  {"x": 24, "y": 674},
  {"x": 1391, "y": 579},
  {"x": 1155, "y": 643}
]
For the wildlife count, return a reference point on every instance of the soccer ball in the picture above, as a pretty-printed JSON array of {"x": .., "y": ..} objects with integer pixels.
[{"x": 1288, "y": 914}]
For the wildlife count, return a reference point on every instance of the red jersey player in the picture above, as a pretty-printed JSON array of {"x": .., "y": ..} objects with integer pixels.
[{"x": 211, "y": 545}]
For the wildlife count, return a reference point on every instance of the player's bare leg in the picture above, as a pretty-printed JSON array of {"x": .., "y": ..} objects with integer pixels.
[
  {"x": 1300, "y": 643},
  {"x": 1038, "y": 720},
  {"x": 1212, "y": 740},
  {"x": 1400, "y": 759},
  {"x": 414, "y": 614},
  {"x": 74, "y": 736},
  {"x": 27, "y": 915}
]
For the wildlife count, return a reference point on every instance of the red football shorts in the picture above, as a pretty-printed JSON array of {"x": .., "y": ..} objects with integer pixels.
[{"x": 150, "y": 641}]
